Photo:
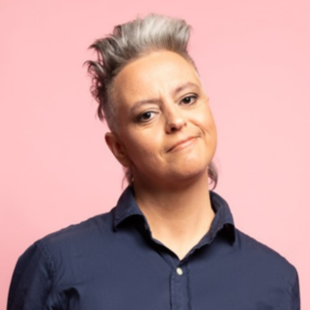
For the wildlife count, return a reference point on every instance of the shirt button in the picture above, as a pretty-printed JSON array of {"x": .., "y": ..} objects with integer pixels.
[{"x": 179, "y": 271}]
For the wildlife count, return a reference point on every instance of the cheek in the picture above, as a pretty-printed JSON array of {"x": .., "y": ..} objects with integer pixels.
[
  {"x": 211, "y": 127},
  {"x": 142, "y": 146},
  {"x": 204, "y": 120}
]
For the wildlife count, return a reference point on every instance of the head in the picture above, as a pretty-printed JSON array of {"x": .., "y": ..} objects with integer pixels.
[{"x": 125, "y": 49}]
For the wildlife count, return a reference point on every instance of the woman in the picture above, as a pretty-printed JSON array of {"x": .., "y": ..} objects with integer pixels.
[{"x": 170, "y": 243}]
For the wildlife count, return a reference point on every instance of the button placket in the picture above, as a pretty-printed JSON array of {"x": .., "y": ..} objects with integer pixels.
[{"x": 179, "y": 288}]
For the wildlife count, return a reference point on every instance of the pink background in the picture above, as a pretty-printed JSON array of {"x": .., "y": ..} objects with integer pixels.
[{"x": 254, "y": 58}]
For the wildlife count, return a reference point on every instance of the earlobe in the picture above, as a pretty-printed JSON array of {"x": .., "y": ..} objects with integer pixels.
[{"x": 117, "y": 148}]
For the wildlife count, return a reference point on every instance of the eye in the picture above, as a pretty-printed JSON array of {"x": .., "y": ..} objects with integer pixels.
[
  {"x": 189, "y": 99},
  {"x": 146, "y": 116}
]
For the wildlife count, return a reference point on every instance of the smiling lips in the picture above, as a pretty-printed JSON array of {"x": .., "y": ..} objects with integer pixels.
[{"x": 182, "y": 144}]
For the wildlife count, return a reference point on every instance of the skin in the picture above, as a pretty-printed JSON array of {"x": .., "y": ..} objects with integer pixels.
[{"x": 167, "y": 136}]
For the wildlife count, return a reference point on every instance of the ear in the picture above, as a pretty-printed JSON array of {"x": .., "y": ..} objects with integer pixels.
[{"x": 117, "y": 148}]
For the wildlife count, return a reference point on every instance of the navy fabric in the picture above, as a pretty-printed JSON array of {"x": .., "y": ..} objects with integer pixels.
[{"x": 112, "y": 262}]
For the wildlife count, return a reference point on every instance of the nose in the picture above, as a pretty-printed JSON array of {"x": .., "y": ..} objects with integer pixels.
[{"x": 175, "y": 121}]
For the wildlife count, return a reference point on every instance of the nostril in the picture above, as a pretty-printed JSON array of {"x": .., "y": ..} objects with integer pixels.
[{"x": 174, "y": 127}]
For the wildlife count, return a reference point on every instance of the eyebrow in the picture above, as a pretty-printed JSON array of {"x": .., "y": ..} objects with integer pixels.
[
  {"x": 184, "y": 86},
  {"x": 157, "y": 101}
]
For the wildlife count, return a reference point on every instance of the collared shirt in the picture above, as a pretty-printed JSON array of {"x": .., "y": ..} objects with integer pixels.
[{"x": 112, "y": 262}]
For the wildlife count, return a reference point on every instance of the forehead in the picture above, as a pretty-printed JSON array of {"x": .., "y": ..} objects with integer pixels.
[{"x": 159, "y": 71}]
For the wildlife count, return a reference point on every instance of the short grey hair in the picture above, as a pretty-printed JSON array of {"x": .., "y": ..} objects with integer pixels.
[{"x": 127, "y": 43}]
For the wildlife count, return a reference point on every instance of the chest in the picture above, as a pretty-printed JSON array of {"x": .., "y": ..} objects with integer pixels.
[{"x": 188, "y": 286}]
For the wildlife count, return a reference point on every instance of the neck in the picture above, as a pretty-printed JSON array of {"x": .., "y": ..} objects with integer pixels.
[{"x": 178, "y": 217}]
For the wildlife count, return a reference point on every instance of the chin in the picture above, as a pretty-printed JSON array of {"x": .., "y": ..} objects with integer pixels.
[{"x": 191, "y": 170}]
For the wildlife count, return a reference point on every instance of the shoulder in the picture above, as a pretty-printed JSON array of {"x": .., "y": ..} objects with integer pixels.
[
  {"x": 79, "y": 235},
  {"x": 262, "y": 257},
  {"x": 60, "y": 254},
  {"x": 261, "y": 264},
  {"x": 59, "y": 249},
  {"x": 56, "y": 259}
]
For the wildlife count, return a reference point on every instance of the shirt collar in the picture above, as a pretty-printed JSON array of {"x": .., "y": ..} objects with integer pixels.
[
  {"x": 127, "y": 207},
  {"x": 223, "y": 219}
]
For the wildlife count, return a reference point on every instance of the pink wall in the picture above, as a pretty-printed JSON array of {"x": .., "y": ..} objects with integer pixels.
[{"x": 55, "y": 168}]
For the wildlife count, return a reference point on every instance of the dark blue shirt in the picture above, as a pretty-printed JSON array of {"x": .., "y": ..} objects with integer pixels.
[{"x": 111, "y": 262}]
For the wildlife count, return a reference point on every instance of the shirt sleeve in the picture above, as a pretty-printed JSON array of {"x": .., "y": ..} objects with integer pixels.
[
  {"x": 32, "y": 281},
  {"x": 295, "y": 294}
]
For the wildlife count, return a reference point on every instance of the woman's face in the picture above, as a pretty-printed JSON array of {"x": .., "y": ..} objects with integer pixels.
[{"x": 166, "y": 132}]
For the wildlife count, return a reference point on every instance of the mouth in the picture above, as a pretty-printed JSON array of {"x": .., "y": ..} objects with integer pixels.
[{"x": 182, "y": 144}]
